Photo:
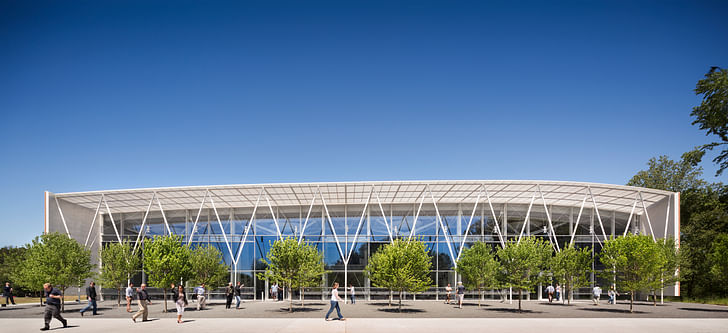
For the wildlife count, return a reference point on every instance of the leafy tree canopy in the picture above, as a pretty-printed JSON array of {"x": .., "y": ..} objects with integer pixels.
[{"x": 712, "y": 113}]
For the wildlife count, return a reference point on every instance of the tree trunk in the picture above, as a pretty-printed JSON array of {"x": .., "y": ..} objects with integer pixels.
[
  {"x": 390, "y": 298},
  {"x": 302, "y": 297},
  {"x": 631, "y": 300},
  {"x": 63, "y": 298},
  {"x": 164, "y": 292},
  {"x": 480, "y": 296},
  {"x": 654, "y": 298},
  {"x": 118, "y": 297},
  {"x": 400, "y": 300},
  {"x": 520, "y": 295}
]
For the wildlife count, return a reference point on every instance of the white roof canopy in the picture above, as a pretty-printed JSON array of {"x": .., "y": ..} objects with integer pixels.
[{"x": 560, "y": 193}]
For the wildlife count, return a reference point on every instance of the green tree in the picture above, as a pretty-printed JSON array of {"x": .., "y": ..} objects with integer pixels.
[
  {"x": 523, "y": 262},
  {"x": 677, "y": 176},
  {"x": 57, "y": 259},
  {"x": 719, "y": 261},
  {"x": 208, "y": 267},
  {"x": 294, "y": 265},
  {"x": 666, "y": 270},
  {"x": 118, "y": 264},
  {"x": 712, "y": 113},
  {"x": 403, "y": 265},
  {"x": 571, "y": 268},
  {"x": 166, "y": 261},
  {"x": 312, "y": 269},
  {"x": 10, "y": 260},
  {"x": 634, "y": 260},
  {"x": 479, "y": 268}
]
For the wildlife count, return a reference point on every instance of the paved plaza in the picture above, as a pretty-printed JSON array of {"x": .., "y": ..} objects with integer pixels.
[
  {"x": 422, "y": 316},
  {"x": 380, "y": 309}
]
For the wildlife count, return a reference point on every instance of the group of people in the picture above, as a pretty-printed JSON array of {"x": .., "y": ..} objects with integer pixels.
[
  {"x": 179, "y": 296},
  {"x": 459, "y": 292},
  {"x": 231, "y": 292}
]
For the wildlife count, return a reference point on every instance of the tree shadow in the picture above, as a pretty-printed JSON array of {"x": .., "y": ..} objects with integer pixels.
[
  {"x": 511, "y": 310},
  {"x": 296, "y": 309},
  {"x": 474, "y": 305},
  {"x": 309, "y": 303},
  {"x": 611, "y": 310},
  {"x": 396, "y": 310},
  {"x": 385, "y": 304},
  {"x": 703, "y": 309},
  {"x": 61, "y": 328}
]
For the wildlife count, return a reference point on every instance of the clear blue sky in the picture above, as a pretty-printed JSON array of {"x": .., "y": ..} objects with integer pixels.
[{"x": 121, "y": 94}]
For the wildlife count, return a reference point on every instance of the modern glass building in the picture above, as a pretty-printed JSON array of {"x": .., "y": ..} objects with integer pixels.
[{"x": 348, "y": 221}]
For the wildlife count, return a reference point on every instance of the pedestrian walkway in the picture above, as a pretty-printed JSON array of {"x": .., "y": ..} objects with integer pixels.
[{"x": 381, "y": 325}]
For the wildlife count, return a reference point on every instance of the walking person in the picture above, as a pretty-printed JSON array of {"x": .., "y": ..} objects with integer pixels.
[
  {"x": 53, "y": 306},
  {"x": 280, "y": 293},
  {"x": 274, "y": 291},
  {"x": 335, "y": 302},
  {"x": 596, "y": 294},
  {"x": 8, "y": 294},
  {"x": 180, "y": 301},
  {"x": 200, "y": 293},
  {"x": 550, "y": 292},
  {"x": 129, "y": 292},
  {"x": 352, "y": 293},
  {"x": 448, "y": 289},
  {"x": 144, "y": 302},
  {"x": 558, "y": 292},
  {"x": 612, "y": 293},
  {"x": 229, "y": 292},
  {"x": 91, "y": 295},
  {"x": 237, "y": 295},
  {"x": 460, "y": 294}
]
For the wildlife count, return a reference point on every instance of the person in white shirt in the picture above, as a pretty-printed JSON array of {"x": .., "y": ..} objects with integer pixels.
[
  {"x": 335, "y": 302},
  {"x": 129, "y": 296},
  {"x": 550, "y": 292},
  {"x": 200, "y": 292},
  {"x": 351, "y": 291},
  {"x": 596, "y": 293},
  {"x": 274, "y": 291},
  {"x": 448, "y": 289}
]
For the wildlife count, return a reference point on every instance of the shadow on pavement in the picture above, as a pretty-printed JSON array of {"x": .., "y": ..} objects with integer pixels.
[
  {"x": 297, "y": 309},
  {"x": 396, "y": 310},
  {"x": 513, "y": 310},
  {"x": 610, "y": 310},
  {"x": 703, "y": 309}
]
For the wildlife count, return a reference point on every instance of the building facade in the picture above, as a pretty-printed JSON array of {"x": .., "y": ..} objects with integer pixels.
[{"x": 348, "y": 221}]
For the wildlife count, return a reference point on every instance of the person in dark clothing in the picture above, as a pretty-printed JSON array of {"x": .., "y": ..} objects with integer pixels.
[
  {"x": 53, "y": 306},
  {"x": 237, "y": 295},
  {"x": 91, "y": 295},
  {"x": 280, "y": 294},
  {"x": 144, "y": 301},
  {"x": 229, "y": 291},
  {"x": 8, "y": 294}
]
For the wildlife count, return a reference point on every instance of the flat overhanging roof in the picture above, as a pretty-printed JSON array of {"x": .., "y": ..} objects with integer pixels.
[{"x": 559, "y": 193}]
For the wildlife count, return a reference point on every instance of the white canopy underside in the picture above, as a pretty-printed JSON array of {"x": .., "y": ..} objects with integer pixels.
[{"x": 559, "y": 193}]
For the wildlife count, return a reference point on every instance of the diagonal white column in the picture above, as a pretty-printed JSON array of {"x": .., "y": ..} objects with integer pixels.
[
  {"x": 144, "y": 222},
  {"x": 578, "y": 218},
  {"x": 445, "y": 232},
  {"x": 528, "y": 214},
  {"x": 599, "y": 217},
  {"x": 194, "y": 226},
  {"x": 111, "y": 216},
  {"x": 495, "y": 218},
  {"x": 417, "y": 215},
  {"x": 93, "y": 222},
  {"x": 667, "y": 219},
  {"x": 305, "y": 222},
  {"x": 384, "y": 216},
  {"x": 219, "y": 222},
  {"x": 63, "y": 219},
  {"x": 358, "y": 227},
  {"x": 470, "y": 222},
  {"x": 164, "y": 217},
  {"x": 247, "y": 228},
  {"x": 631, "y": 213},
  {"x": 275, "y": 220},
  {"x": 331, "y": 225},
  {"x": 647, "y": 215},
  {"x": 548, "y": 217}
]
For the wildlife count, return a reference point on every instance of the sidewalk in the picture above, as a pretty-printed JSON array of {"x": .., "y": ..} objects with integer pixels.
[{"x": 379, "y": 325}]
